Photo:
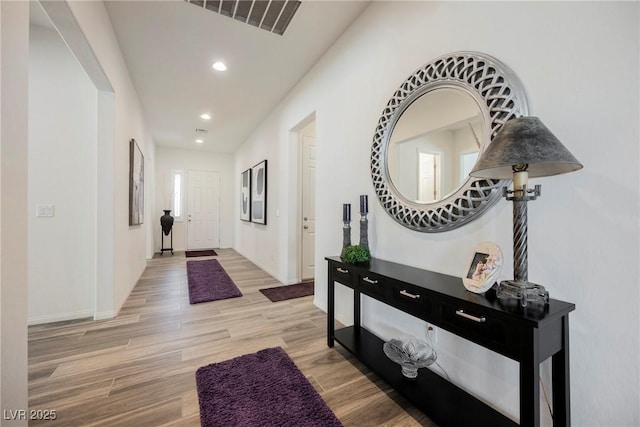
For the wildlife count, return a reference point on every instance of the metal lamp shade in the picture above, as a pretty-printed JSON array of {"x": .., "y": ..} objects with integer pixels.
[{"x": 525, "y": 141}]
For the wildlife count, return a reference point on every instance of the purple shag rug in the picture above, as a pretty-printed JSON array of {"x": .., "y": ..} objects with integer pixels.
[
  {"x": 282, "y": 293},
  {"x": 208, "y": 281},
  {"x": 260, "y": 389}
]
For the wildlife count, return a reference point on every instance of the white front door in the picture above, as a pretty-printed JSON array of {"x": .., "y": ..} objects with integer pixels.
[
  {"x": 203, "y": 213},
  {"x": 308, "y": 206}
]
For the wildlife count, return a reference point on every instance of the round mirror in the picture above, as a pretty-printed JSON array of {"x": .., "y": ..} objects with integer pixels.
[
  {"x": 435, "y": 144},
  {"x": 430, "y": 135}
]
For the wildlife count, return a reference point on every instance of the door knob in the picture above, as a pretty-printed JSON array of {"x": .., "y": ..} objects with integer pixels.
[{"x": 305, "y": 227}]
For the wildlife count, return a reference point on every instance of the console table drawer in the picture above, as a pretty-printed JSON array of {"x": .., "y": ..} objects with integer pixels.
[
  {"x": 413, "y": 299},
  {"x": 373, "y": 285},
  {"x": 479, "y": 326},
  {"x": 344, "y": 275}
]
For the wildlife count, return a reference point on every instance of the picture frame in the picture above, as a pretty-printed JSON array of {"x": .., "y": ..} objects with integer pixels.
[
  {"x": 245, "y": 195},
  {"x": 483, "y": 267},
  {"x": 259, "y": 193},
  {"x": 136, "y": 184}
]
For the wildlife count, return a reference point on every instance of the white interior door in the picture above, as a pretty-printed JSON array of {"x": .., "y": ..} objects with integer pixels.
[
  {"x": 308, "y": 206},
  {"x": 203, "y": 214},
  {"x": 428, "y": 177}
]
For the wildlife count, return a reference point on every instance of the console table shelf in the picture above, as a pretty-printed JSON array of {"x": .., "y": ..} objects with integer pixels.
[
  {"x": 429, "y": 392},
  {"x": 528, "y": 336}
]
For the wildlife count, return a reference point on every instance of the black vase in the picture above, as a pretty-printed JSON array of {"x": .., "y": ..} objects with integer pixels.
[{"x": 166, "y": 221}]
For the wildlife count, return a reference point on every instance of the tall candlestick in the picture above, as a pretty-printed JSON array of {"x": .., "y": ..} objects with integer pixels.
[
  {"x": 364, "y": 231},
  {"x": 346, "y": 229}
]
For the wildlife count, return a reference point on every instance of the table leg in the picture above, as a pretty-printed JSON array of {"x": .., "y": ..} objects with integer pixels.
[
  {"x": 529, "y": 383},
  {"x": 331, "y": 326},
  {"x": 560, "y": 380}
]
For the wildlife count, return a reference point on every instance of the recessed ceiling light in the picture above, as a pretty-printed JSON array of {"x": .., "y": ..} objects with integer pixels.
[
  {"x": 205, "y": 116},
  {"x": 199, "y": 141},
  {"x": 219, "y": 66}
]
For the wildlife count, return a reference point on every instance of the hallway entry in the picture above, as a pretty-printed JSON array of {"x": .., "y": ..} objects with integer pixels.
[
  {"x": 308, "y": 198},
  {"x": 203, "y": 212}
]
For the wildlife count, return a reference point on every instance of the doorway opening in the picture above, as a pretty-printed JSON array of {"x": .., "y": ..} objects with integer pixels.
[
  {"x": 302, "y": 196},
  {"x": 203, "y": 213}
]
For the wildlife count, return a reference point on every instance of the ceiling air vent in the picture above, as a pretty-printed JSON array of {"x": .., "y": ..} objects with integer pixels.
[
  {"x": 201, "y": 131},
  {"x": 270, "y": 15}
]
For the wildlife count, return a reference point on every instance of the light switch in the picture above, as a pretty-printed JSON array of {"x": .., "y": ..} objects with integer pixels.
[{"x": 44, "y": 210}]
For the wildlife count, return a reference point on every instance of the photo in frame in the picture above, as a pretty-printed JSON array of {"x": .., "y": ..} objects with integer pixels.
[
  {"x": 245, "y": 196},
  {"x": 259, "y": 193},
  {"x": 483, "y": 267},
  {"x": 136, "y": 184}
]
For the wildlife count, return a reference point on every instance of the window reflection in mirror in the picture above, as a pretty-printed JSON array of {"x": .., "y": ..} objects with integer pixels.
[{"x": 435, "y": 144}]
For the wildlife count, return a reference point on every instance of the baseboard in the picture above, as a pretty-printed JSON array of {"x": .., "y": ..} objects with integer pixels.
[
  {"x": 263, "y": 268},
  {"x": 110, "y": 314},
  {"x": 61, "y": 317}
]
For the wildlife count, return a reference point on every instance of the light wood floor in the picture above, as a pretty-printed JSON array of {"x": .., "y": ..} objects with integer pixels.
[{"x": 138, "y": 369}]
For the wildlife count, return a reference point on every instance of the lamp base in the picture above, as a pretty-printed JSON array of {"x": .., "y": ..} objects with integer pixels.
[{"x": 523, "y": 291}]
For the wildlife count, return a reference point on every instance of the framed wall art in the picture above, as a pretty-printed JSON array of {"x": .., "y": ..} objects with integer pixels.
[
  {"x": 136, "y": 184},
  {"x": 259, "y": 193},
  {"x": 245, "y": 196}
]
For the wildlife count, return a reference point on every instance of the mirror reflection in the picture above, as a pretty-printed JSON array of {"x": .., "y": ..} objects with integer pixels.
[{"x": 435, "y": 144}]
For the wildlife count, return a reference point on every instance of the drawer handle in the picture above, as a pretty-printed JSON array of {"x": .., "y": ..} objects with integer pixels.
[
  {"x": 471, "y": 317},
  {"x": 342, "y": 270},
  {"x": 366, "y": 279},
  {"x": 407, "y": 294}
]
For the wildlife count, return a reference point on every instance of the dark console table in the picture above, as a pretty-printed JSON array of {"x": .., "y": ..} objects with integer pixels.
[{"x": 528, "y": 336}]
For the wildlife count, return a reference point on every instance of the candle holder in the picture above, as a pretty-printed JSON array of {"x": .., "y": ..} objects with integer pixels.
[
  {"x": 346, "y": 234},
  {"x": 364, "y": 230},
  {"x": 346, "y": 229}
]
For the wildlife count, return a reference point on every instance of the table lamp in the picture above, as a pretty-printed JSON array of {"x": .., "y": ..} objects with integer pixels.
[{"x": 523, "y": 148}]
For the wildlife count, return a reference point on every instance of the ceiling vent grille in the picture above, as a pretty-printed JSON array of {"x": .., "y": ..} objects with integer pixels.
[{"x": 270, "y": 15}]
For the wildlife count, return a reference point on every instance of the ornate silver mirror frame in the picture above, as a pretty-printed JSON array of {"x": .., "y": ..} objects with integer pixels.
[{"x": 500, "y": 96}]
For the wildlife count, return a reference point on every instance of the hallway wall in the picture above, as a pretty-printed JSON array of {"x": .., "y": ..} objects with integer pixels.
[
  {"x": 14, "y": 66},
  {"x": 62, "y": 173},
  {"x": 579, "y": 63},
  {"x": 130, "y": 244}
]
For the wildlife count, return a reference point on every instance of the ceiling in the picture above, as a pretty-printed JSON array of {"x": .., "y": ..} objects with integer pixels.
[{"x": 170, "y": 46}]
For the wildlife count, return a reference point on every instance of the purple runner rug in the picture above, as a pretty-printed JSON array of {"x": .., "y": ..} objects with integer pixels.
[
  {"x": 208, "y": 281},
  {"x": 260, "y": 389},
  {"x": 282, "y": 293}
]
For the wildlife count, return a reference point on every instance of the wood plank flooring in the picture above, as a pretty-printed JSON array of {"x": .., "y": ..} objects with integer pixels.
[{"x": 138, "y": 369}]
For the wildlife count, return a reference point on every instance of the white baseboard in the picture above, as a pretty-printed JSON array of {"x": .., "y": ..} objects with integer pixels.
[
  {"x": 263, "y": 268},
  {"x": 110, "y": 314},
  {"x": 60, "y": 317}
]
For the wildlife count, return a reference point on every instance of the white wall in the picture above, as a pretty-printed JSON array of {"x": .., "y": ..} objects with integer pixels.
[
  {"x": 131, "y": 245},
  {"x": 121, "y": 249},
  {"x": 579, "y": 64},
  {"x": 14, "y": 66},
  {"x": 171, "y": 159},
  {"x": 62, "y": 172}
]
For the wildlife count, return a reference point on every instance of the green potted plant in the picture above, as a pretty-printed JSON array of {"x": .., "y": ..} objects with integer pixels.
[{"x": 355, "y": 254}]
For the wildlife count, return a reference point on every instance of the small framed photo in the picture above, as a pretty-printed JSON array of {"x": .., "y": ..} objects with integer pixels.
[
  {"x": 483, "y": 267},
  {"x": 245, "y": 196}
]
